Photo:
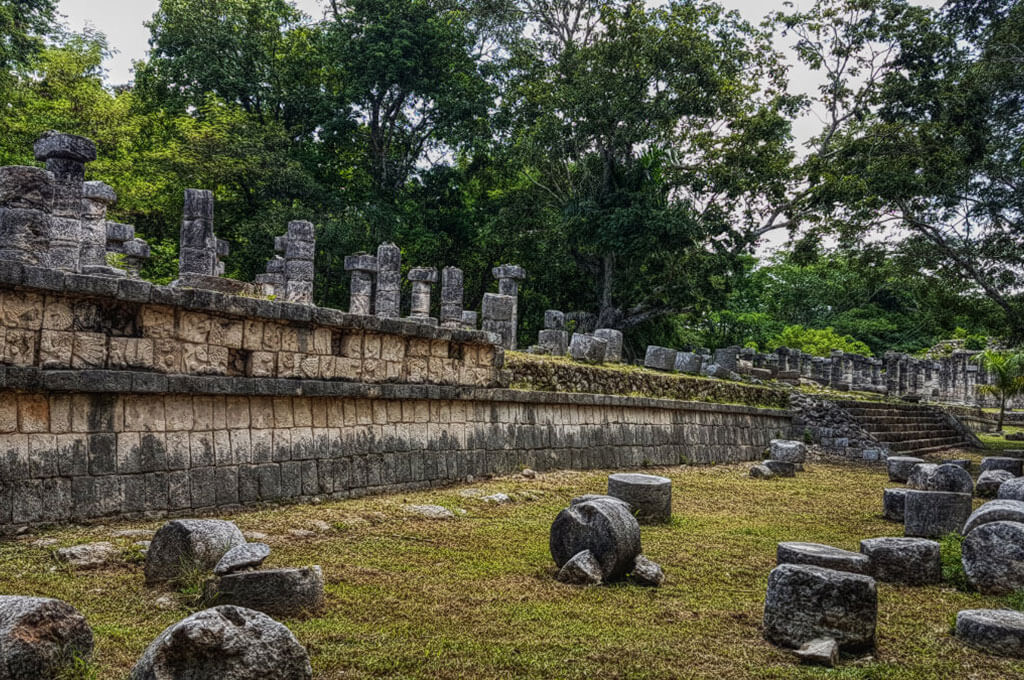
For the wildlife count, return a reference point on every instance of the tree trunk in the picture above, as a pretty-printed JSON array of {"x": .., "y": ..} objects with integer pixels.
[{"x": 1002, "y": 410}]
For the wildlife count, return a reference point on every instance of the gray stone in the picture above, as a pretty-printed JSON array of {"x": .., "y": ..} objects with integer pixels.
[
  {"x": 893, "y": 504},
  {"x": 993, "y": 557},
  {"x": 780, "y": 468},
  {"x": 961, "y": 462},
  {"x": 53, "y": 144},
  {"x": 820, "y": 652},
  {"x": 787, "y": 450},
  {"x": 990, "y": 481},
  {"x": 996, "y": 631},
  {"x": 224, "y": 643},
  {"x": 497, "y": 499},
  {"x": 555, "y": 342},
  {"x": 554, "y": 320},
  {"x": 819, "y": 555},
  {"x": 995, "y": 511},
  {"x": 1012, "y": 465},
  {"x": 278, "y": 592},
  {"x": 245, "y": 556},
  {"x": 596, "y": 496},
  {"x": 646, "y": 572},
  {"x": 182, "y": 545},
  {"x": 39, "y": 636},
  {"x": 89, "y": 555},
  {"x": 761, "y": 472},
  {"x": 430, "y": 511},
  {"x": 805, "y": 603},
  {"x": 1011, "y": 489},
  {"x": 913, "y": 561},
  {"x": 900, "y": 467},
  {"x": 613, "y": 348},
  {"x": 660, "y": 358},
  {"x": 604, "y": 527},
  {"x": 930, "y": 477},
  {"x": 588, "y": 348},
  {"x": 933, "y": 514},
  {"x": 688, "y": 362},
  {"x": 582, "y": 569},
  {"x": 650, "y": 496}
]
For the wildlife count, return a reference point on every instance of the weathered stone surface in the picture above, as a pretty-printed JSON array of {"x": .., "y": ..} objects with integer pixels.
[
  {"x": 995, "y": 511},
  {"x": 1012, "y": 465},
  {"x": 760, "y": 471},
  {"x": 930, "y": 477},
  {"x": 430, "y": 511},
  {"x": 53, "y": 144},
  {"x": 597, "y": 496},
  {"x": 996, "y": 631},
  {"x": 555, "y": 342},
  {"x": 993, "y": 557},
  {"x": 588, "y": 348},
  {"x": 788, "y": 451},
  {"x": 913, "y": 561},
  {"x": 277, "y": 592},
  {"x": 184, "y": 544},
  {"x": 990, "y": 481},
  {"x": 650, "y": 496},
  {"x": 819, "y": 555},
  {"x": 38, "y": 636},
  {"x": 933, "y": 514},
  {"x": 821, "y": 652},
  {"x": 900, "y": 467},
  {"x": 582, "y": 569},
  {"x": 960, "y": 462},
  {"x": 893, "y": 504},
  {"x": 1011, "y": 489},
  {"x": 688, "y": 362},
  {"x": 781, "y": 468},
  {"x": 554, "y": 320},
  {"x": 224, "y": 643},
  {"x": 613, "y": 348},
  {"x": 646, "y": 572},
  {"x": 660, "y": 358},
  {"x": 805, "y": 603},
  {"x": 604, "y": 527},
  {"x": 245, "y": 556},
  {"x": 89, "y": 555},
  {"x": 25, "y": 186}
]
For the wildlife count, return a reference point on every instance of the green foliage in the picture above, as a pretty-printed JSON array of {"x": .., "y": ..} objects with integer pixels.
[
  {"x": 78, "y": 668},
  {"x": 950, "y": 549},
  {"x": 972, "y": 341},
  {"x": 819, "y": 342},
  {"x": 1015, "y": 600},
  {"x": 1006, "y": 376}
]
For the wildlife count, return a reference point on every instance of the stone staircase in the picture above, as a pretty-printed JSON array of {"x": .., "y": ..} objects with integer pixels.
[{"x": 906, "y": 429}]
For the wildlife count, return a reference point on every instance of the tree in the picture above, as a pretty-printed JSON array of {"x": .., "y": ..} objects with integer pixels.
[
  {"x": 23, "y": 23},
  {"x": 651, "y": 136},
  {"x": 1007, "y": 370}
]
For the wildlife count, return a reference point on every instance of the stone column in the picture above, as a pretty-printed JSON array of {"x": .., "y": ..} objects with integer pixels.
[
  {"x": 363, "y": 266},
  {"x": 26, "y": 197},
  {"x": 422, "y": 279},
  {"x": 613, "y": 349},
  {"x": 389, "y": 280},
  {"x": 300, "y": 249},
  {"x": 836, "y": 377},
  {"x": 97, "y": 197},
  {"x": 469, "y": 320},
  {"x": 509, "y": 276},
  {"x": 451, "y": 297},
  {"x": 65, "y": 156},
  {"x": 198, "y": 249},
  {"x": 499, "y": 318}
]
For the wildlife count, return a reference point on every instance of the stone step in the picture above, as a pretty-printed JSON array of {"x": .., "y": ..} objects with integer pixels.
[
  {"x": 882, "y": 406},
  {"x": 931, "y": 444},
  {"x": 914, "y": 435},
  {"x": 921, "y": 426},
  {"x": 900, "y": 420}
]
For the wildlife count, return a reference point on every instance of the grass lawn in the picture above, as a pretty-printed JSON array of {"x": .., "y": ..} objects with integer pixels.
[{"x": 475, "y": 597}]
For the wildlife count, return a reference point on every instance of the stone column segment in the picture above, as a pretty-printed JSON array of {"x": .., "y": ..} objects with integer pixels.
[
  {"x": 509, "y": 276},
  {"x": 422, "y": 279},
  {"x": 198, "y": 247},
  {"x": 498, "y": 315},
  {"x": 389, "y": 280},
  {"x": 299, "y": 251},
  {"x": 65, "y": 156},
  {"x": 363, "y": 266},
  {"x": 451, "y": 297},
  {"x": 26, "y": 199}
]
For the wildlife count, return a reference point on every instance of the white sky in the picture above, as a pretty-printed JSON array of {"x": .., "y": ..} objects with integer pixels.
[{"x": 122, "y": 22}]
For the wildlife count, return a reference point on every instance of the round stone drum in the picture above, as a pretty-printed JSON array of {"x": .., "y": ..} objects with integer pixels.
[{"x": 650, "y": 496}]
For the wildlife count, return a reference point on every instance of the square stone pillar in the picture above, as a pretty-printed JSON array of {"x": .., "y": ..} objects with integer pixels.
[
  {"x": 451, "y": 297},
  {"x": 499, "y": 318},
  {"x": 389, "y": 280},
  {"x": 509, "y": 276},
  {"x": 65, "y": 156},
  {"x": 363, "y": 267}
]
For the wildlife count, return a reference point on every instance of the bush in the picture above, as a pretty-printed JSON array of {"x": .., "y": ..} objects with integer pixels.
[{"x": 817, "y": 341}]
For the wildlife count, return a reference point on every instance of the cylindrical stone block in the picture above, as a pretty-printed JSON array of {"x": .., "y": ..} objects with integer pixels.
[
  {"x": 650, "y": 496},
  {"x": 933, "y": 514},
  {"x": 900, "y": 467},
  {"x": 420, "y": 299}
]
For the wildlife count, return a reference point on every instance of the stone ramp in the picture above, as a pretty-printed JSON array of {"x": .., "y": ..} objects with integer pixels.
[{"x": 906, "y": 428}]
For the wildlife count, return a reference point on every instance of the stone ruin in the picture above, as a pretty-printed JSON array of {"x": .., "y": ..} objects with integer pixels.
[{"x": 604, "y": 345}]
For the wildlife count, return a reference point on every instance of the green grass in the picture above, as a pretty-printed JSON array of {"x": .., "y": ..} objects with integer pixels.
[{"x": 475, "y": 597}]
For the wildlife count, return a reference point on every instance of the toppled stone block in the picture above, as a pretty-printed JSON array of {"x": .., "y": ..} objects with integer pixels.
[
  {"x": 688, "y": 362},
  {"x": 995, "y": 511},
  {"x": 900, "y": 467},
  {"x": 996, "y": 631},
  {"x": 604, "y": 527},
  {"x": 185, "y": 544},
  {"x": 894, "y": 503},
  {"x": 990, "y": 481},
  {"x": 912, "y": 561},
  {"x": 39, "y": 637},
  {"x": 805, "y": 603},
  {"x": 613, "y": 340},
  {"x": 788, "y": 451},
  {"x": 1012, "y": 465},
  {"x": 930, "y": 477},
  {"x": 820, "y": 652},
  {"x": 933, "y": 514},
  {"x": 89, "y": 555},
  {"x": 760, "y": 471},
  {"x": 554, "y": 320},
  {"x": 660, "y": 358},
  {"x": 993, "y": 557},
  {"x": 587, "y": 348},
  {"x": 646, "y": 572},
  {"x": 781, "y": 468},
  {"x": 241, "y": 557},
  {"x": 225, "y": 643},
  {"x": 554, "y": 342},
  {"x": 582, "y": 569},
  {"x": 649, "y": 496},
  {"x": 819, "y": 555},
  {"x": 1011, "y": 489},
  {"x": 277, "y": 592}
]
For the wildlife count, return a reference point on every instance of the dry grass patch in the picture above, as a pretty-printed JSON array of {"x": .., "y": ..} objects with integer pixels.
[{"x": 474, "y": 597}]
